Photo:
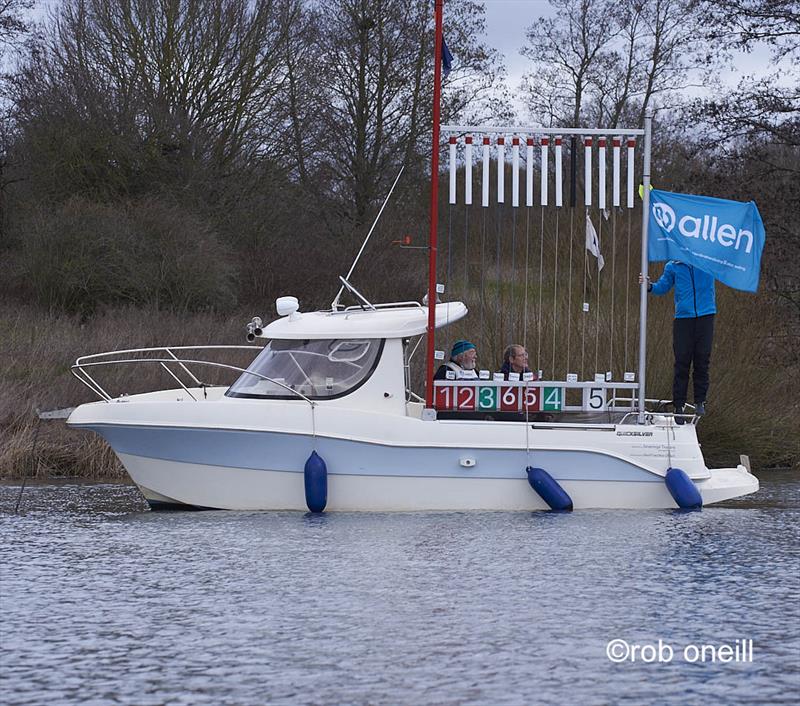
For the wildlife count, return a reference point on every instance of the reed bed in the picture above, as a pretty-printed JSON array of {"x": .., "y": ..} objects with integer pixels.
[{"x": 38, "y": 349}]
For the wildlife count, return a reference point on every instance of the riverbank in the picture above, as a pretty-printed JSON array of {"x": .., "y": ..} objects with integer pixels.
[{"x": 753, "y": 409}]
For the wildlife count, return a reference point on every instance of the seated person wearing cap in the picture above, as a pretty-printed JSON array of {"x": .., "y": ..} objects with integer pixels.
[
  {"x": 463, "y": 359},
  {"x": 515, "y": 360}
]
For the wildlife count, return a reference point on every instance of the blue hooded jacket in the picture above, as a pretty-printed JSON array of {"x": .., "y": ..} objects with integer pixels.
[{"x": 694, "y": 289}]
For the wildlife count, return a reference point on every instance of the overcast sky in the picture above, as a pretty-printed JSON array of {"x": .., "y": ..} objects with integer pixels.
[{"x": 507, "y": 20}]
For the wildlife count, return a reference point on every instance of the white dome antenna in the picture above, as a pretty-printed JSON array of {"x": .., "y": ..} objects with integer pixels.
[{"x": 288, "y": 306}]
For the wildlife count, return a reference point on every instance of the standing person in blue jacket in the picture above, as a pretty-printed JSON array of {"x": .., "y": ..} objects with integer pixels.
[{"x": 692, "y": 330}]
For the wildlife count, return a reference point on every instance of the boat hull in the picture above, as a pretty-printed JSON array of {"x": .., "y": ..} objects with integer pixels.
[
  {"x": 172, "y": 484},
  {"x": 391, "y": 463}
]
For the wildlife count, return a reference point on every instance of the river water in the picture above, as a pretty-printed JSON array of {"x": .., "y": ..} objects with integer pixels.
[{"x": 104, "y": 602}]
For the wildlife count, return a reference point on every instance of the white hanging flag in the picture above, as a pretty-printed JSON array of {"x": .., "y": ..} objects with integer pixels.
[{"x": 593, "y": 242}]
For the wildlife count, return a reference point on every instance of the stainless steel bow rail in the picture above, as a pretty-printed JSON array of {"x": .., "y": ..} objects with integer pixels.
[{"x": 79, "y": 368}]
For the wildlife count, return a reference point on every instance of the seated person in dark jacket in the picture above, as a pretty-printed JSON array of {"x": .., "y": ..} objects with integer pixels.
[
  {"x": 463, "y": 359},
  {"x": 515, "y": 360}
]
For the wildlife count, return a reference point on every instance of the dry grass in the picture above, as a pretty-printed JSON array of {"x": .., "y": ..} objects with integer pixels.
[{"x": 38, "y": 349}]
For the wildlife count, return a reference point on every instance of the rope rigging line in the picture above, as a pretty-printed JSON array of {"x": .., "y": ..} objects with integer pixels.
[
  {"x": 573, "y": 166},
  {"x": 466, "y": 253},
  {"x": 555, "y": 297},
  {"x": 449, "y": 244},
  {"x": 597, "y": 304},
  {"x": 513, "y": 269},
  {"x": 498, "y": 271},
  {"x": 613, "y": 286},
  {"x": 569, "y": 296},
  {"x": 627, "y": 288},
  {"x": 527, "y": 261},
  {"x": 541, "y": 288},
  {"x": 483, "y": 275},
  {"x": 585, "y": 305}
]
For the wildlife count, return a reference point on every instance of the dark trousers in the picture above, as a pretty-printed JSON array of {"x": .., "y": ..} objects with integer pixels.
[{"x": 691, "y": 343}]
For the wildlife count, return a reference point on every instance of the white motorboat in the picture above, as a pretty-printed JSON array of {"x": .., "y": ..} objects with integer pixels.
[
  {"x": 325, "y": 415},
  {"x": 336, "y": 382}
]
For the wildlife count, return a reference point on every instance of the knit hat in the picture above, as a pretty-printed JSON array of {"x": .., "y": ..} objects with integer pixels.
[{"x": 461, "y": 347}]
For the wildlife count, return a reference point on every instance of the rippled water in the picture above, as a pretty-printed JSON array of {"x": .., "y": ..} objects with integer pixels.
[{"x": 105, "y": 602}]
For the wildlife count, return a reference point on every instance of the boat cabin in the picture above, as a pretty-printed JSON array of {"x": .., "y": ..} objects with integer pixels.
[{"x": 362, "y": 356}]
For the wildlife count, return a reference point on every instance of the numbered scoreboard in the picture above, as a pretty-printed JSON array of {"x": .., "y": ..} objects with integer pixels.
[{"x": 474, "y": 396}]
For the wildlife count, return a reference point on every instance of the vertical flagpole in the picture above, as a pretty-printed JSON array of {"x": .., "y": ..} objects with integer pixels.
[
  {"x": 648, "y": 124},
  {"x": 432, "y": 241}
]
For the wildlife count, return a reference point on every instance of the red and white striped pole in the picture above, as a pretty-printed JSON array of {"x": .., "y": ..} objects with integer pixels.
[{"x": 432, "y": 240}]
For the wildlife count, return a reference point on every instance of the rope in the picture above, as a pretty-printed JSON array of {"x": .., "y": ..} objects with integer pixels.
[
  {"x": 483, "y": 275},
  {"x": 555, "y": 299},
  {"x": 584, "y": 304},
  {"x": 527, "y": 258},
  {"x": 449, "y": 263},
  {"x": 314, "y": 423},
  {"x": 513, "y": 267},
  {"x": 569, "y": 297},
  {"x": 670, "y": 429},
  {"x": 597, "y": 305},
  {"x": 466, "y": 252},
  {"x": 34, "y": 463},
  {"x": 499, "y": 292},
  {"x": 613, "y": 285},
  {"x": 449, "y": 243},
  {"x": 541, "y": 287},
  {"x": 527, "y": 431},
  {"x": 627, "y": 289},
  {"x": 573, "y": 180}
]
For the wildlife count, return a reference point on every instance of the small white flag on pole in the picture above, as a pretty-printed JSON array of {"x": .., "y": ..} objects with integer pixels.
[{"x": 593, "y": 242}]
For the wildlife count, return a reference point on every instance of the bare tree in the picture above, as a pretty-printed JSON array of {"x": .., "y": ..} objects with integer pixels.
[
  {"x": 374, "y": 85},
  {"x": 14, "y": 27},
  {"x": 598, "y": 62},
  {"x": 187, "y": 82},
  {"x": 13, "y": 22},
  {"x": 769, "y": 106},
  {"x": 745, "y": 23},
  {"x": 567, "y": 51}
]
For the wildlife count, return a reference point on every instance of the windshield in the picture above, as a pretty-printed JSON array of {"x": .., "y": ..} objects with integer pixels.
[{"x": 318, "y": 369}]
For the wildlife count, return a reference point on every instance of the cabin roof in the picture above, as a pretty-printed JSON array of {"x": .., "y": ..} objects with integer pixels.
[{"x": 386, "y": 321}]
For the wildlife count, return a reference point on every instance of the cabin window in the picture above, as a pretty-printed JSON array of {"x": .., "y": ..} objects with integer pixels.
[{"x": 316, "y": 368}]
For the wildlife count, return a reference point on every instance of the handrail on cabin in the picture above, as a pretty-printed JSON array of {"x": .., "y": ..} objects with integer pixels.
[{"x": 87, "y": 361}]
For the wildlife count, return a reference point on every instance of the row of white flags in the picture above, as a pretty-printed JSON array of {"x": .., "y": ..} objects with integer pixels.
[{"x": 546, "y": 176}]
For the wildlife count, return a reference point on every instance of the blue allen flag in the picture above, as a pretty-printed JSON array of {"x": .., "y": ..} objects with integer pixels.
[
  {"x": 721, "y": 237},
  {"x": 447, "y": 59}
]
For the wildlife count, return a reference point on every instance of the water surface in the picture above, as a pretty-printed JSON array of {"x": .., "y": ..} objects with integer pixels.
[{"x": 104, "y": 602}]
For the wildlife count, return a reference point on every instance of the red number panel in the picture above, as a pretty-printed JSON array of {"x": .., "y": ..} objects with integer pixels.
[
  {"x": 510, "y": 398},
  {"x": 443, "y": 397},
  {"x": 465, "y": 397},
  {"x": 532, "y": 399}
]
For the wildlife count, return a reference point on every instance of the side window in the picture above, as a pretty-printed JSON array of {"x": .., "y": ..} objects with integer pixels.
[{"x": 316, "y": 368}]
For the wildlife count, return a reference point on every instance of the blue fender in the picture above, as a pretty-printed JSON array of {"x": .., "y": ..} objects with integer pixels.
[
  {"x": 548, "y": 489},
  {"x": 683, "y": 490},
  {"x": 316, "y": 481}
]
